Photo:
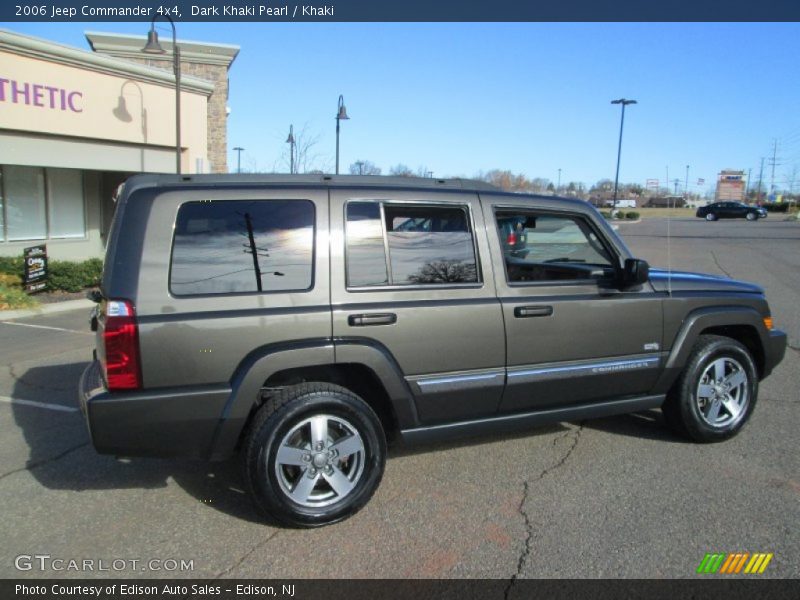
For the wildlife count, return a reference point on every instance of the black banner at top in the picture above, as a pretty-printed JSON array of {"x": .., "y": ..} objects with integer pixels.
[{"x": 401, "y": 10}]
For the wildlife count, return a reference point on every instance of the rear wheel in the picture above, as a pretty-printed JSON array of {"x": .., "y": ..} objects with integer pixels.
[
  {"x": 711, "y": 217},
  {"x": 716, "y": 392},
  {"x": 314, "y": 455}
]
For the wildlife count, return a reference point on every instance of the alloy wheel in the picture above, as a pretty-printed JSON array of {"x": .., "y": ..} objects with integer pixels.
[{"x": 320, "y": 461}]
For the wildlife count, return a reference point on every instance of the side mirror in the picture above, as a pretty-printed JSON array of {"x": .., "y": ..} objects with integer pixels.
[{"x": 635, "y": 272}]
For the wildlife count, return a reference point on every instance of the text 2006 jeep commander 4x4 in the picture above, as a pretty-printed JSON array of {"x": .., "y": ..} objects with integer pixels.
[{"x": 303, "y": 320}]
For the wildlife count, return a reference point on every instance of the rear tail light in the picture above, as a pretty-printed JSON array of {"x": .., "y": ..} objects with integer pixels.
[
  {"x": 121, "y": 340},
  {"x": 512, "y": 239}
]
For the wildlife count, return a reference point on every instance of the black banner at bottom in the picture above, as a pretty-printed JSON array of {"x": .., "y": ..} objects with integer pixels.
[{"x": 388, "y": 589}]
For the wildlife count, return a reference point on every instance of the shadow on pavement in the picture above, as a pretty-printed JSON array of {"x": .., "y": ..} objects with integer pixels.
[
  {"x": 648, "y": 425},
  {"x": 52, "y": 436}
]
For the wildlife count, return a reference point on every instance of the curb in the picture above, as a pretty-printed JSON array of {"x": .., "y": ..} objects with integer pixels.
[{"x": 46, "y": 309}]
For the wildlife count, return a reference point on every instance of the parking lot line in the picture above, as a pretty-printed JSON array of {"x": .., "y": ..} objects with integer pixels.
[
  {"x": 45, "y": 327},
  {"x": 35, "y": 404}
]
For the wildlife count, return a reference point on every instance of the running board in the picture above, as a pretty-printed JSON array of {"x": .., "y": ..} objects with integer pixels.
[{"x": 515, "y": 422}]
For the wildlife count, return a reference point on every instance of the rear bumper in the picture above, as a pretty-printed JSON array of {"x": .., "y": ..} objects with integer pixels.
[
  {"x": 774, "y": 350},
  {"x": 164, "y": 423}
]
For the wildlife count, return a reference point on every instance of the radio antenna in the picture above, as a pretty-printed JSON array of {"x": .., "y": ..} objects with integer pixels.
[{"x": 669, "y": 246}]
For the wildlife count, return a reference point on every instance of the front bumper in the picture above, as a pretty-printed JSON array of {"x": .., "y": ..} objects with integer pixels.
[
  {"x": 171, "y": 422},
  {"x": 774, "y": 350}
]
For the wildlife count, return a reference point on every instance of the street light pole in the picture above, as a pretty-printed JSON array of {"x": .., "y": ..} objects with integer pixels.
[
  {"x": 341, "y": 114},
  {"x": 153, "y": 47},
  {"x": 624, "y": 103},
  {"x": 238, "y": 151},
  {"x": 686, "y": 185},
  {"x": 558, "y": 187},
  {"x": 290, "y": 141}
]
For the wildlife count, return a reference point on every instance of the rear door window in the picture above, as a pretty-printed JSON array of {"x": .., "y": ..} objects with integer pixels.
[
  {"x": 234, "y": 246},
  {"x": 409, "y": 244}
]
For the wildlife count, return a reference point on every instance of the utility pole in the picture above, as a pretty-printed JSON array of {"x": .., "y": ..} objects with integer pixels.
[
  {"x": 666, "y": 185},
  {"x": 253, "y": 249},
  {"x": 676, "y": 182},
  {"x": 773, "y": 162},
  {"x": 558, "y": 187},
  {"x": 747, "y": 185},
  {"x": 760, "y": 179}
]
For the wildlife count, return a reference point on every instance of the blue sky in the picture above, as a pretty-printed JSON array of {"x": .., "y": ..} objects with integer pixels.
[{"x": 460, "y": 98}]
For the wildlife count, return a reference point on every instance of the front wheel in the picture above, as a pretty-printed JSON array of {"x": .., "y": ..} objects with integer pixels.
[
  {"x": 711, "y": 217},
  {"x": 716, "y": 392},
  {"x": 314, "y": 455},
  {"x": 752, "y": 216}
]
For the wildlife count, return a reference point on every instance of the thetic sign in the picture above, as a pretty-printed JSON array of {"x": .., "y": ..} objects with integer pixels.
[{"x": 35, "y": 269}]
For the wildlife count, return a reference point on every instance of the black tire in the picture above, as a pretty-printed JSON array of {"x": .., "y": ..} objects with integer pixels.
[
  {"x": 689, "y": 413},
  {"x": 711, "y": 217},
  {"x": 286, "y": 413},
  {"x": 751, "y": 216}
]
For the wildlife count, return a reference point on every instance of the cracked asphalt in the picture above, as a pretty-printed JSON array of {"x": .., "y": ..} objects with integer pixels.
[{"x": 615, "y": 497}]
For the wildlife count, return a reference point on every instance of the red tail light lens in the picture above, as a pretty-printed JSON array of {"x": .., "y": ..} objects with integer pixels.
[
  {"x": 512, "y": 239},
  {"x": 121, "y": 339}
]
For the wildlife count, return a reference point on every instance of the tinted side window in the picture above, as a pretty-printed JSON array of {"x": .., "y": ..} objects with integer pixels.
[
  {"x": 426, "y": 245},
  {"x": 366, "y": 252},
  {"x": 546, "y": 247},
  {"x": 228, "y": 246}
]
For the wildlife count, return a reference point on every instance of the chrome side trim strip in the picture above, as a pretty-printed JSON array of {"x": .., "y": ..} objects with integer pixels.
[
  {"x": 582, "y": 369},
  {"x": 455, "y": 383}
]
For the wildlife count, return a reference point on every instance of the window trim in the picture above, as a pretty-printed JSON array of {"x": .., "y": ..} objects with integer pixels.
[
  {"x": 557, "y": 213},
  {"x": 479, "y": 284},
  {"x": 312, "y": 283},
  {"x": 47, "y": 203}
]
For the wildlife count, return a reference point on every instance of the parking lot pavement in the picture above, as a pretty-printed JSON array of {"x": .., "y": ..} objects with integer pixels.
[{"x": 606, "y": 498}]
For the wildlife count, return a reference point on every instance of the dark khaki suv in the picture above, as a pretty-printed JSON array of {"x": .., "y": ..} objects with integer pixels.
[{"x": 302, "y": 321}]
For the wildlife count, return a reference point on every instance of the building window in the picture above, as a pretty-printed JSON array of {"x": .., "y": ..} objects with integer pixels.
[
  {"x": 426, "y": 245},
  {"x": 233, "y": 246},
  {"x": 38, "y": 204}
]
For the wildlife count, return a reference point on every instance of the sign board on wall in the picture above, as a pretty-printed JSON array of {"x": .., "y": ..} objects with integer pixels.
[{"x": 35, "y": 279}]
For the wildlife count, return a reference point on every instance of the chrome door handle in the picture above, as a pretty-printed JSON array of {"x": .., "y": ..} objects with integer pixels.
[
  {"x": 523, "y": 312},
  {"x": 372, "y": 319}
]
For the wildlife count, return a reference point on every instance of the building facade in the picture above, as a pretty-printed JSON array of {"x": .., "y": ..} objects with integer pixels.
[{"x": 74, "y": 124}]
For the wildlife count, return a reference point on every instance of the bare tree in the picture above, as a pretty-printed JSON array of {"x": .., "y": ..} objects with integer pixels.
[
  {"x": 364, "y": 167},
  {"x": 444, "y": 271},
  {"x": 401, "y": 170},
  {"x": 307, "y": 158}
]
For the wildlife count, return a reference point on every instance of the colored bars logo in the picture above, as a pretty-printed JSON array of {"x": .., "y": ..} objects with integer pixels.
[{"x": 729, "y": 564}]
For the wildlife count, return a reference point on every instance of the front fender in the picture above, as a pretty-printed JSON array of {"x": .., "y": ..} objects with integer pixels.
[{"x": 693, "y": 326}]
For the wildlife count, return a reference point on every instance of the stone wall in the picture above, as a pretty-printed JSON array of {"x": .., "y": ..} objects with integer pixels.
[{"x": 217, "y": 104}]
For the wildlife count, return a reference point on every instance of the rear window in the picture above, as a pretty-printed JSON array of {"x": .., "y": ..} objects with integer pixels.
[{"x": 235, "y": 246}]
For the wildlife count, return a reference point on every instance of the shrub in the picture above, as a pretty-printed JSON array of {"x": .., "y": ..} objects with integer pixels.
[
  {"x": 12, "y": 265},
  {"x": 606, "y": 214},
  {"x": 633, "y": 215},
  {"x": 72, "y": 276},
  {"x": 14, "y": 297},
  {"x": 10, "y": 280}
]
